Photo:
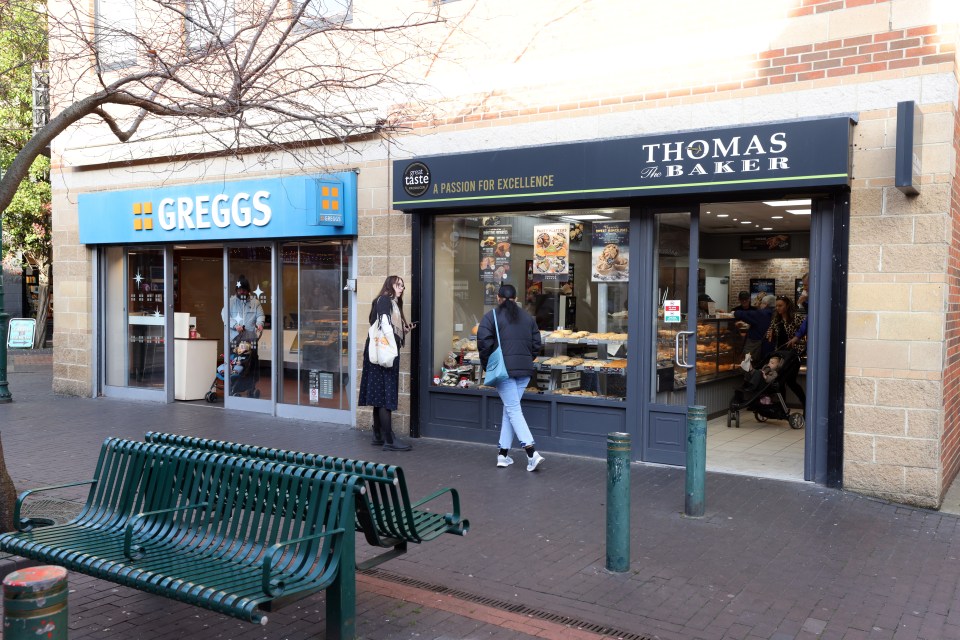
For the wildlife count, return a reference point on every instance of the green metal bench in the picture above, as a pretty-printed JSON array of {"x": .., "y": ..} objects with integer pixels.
[
  {"x": 385, "y": 515},
  {"x": 231, "y": 534}
]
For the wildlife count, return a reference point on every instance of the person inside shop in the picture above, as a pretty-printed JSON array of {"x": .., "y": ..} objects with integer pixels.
[
  {"x": 706, "y": 306},
  {"x": 380, "y": 386},
  {"x": 243, "y": 313},
  {"x": 519, "y": 341},
  {"x": 782, "y": 329},
  {"x": 743, "y": 302},
  {"x": 757, "y": 321},
  {"x": 800, "y": 337}
]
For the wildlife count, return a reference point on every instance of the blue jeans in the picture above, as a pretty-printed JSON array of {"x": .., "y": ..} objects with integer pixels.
[{"x": 510, "y": 392}]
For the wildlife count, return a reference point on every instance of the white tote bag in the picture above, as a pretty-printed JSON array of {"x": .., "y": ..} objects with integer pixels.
[{"x": 383, "y": 345}]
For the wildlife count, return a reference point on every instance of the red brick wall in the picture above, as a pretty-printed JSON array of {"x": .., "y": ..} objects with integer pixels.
[
  {"x": 886, "y": 51},
  {"x": 950, "y": 442}
]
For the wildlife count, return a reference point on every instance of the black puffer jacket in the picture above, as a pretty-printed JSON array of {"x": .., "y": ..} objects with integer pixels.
[{"x": 520, "y": 341}]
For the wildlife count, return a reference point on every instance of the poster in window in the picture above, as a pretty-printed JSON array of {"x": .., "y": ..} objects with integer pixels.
[
  {"x": 767, "y": 242},
  {"x": 611, "y": 255},
  {"x": 495, "y": 253},
  {"x": 551, "y": 252}
]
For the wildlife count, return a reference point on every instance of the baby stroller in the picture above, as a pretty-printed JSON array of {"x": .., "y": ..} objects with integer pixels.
[
  {"x": 243, "y": 365},
  {"x": 764, "y": 389}
]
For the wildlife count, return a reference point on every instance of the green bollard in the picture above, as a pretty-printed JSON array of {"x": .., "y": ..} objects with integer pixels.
[
  {"x": 35, "y": 604},
  {"x": 696, "y": 460},
  {"x": 618, "y": 502}
]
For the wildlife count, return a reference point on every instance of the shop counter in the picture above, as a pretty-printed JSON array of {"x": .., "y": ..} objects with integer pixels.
[{"x": 195, "y": 367}]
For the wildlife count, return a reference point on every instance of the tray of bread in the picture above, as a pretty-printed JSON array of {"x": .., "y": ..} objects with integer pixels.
[
  {"x": 559, "y": 362},
  {"x": 616, "y": 366},
  {"x": 598, "y": 338},
  {"x": 566, "y": 335}
]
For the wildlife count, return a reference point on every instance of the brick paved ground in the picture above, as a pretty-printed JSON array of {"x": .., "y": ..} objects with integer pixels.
[{"x": 770, "y": 559}]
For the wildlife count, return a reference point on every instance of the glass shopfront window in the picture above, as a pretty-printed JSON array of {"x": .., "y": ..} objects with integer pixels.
[
  {"x": 135, "y": 340},
  {"x": 570, "y": 269}
]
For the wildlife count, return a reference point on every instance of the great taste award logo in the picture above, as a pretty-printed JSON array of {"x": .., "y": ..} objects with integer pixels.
[{"x": 416, "y": 179}]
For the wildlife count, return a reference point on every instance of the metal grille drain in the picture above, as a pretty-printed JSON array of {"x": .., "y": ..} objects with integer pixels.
[{"x": 511, "y": 607}]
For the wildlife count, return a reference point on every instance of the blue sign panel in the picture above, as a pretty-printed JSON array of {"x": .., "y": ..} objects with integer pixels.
[
  {"x": 292, "y": 207},
  {"x": 790, "y": 154}
]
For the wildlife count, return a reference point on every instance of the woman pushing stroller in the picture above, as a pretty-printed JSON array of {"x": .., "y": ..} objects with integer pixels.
[{"x": 780, "y": 334}]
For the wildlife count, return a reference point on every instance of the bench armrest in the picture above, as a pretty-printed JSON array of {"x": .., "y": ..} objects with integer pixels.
[
  {"x": 26, "y": 524},
  {"x": 135, "y": 552},
  {"x": 274, "y": 588},
  {"x": 452, "y": 519}
]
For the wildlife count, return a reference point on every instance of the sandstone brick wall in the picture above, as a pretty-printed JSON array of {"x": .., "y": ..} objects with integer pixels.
[{"x": 897, "y": 315}]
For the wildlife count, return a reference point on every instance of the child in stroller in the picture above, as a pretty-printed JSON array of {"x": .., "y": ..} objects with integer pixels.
[
  {"x": 764, "y": 389},
  {"x": 242, "y": 365}
]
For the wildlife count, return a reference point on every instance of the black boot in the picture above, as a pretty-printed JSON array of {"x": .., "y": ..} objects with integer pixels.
[
  {"x": 377, "y": 439},
  {"x": 393, "y": 442}
]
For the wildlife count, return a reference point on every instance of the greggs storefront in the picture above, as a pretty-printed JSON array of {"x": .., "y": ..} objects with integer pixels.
[
  {"x": 169, "y": 306},
  {"x": 633, "y": 255}
]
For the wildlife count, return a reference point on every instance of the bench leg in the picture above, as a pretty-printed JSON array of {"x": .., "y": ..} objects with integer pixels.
[{"x": 342, "y": 594}]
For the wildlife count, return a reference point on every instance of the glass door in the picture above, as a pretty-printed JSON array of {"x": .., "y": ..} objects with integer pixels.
[
  {"x": 673, "y": 365},
  {"x": 248, "y": 328}
]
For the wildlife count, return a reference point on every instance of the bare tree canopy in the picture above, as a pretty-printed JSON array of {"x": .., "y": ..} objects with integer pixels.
[{"x": 207, "y": 76}]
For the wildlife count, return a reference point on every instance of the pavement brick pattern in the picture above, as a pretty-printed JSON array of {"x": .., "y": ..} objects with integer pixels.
[{"x": 770, "y": 559}]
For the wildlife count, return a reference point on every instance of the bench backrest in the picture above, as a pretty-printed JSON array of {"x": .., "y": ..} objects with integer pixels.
[
  {"x": 250, "y": 504},
  {"x": 384, "y": 512}
]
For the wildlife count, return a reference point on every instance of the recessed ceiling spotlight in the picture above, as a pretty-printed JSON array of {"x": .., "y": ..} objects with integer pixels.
[
  {"x": 799, "y": 212},
  {"x": 788, "y": 203}
]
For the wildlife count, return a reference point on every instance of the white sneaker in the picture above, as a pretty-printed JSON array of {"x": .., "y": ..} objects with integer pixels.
[
  {"x": 504, "y": 461},
  {"x": 534, "y": 461}
]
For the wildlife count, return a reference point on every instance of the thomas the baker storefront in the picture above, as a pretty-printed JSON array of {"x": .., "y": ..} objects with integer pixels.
[
  {"x": 632, "y": 255},
  {"x": 167, "y": 309}
]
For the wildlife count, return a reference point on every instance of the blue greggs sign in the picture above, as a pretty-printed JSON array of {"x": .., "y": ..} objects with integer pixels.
[{"x": 292, "y": 207}]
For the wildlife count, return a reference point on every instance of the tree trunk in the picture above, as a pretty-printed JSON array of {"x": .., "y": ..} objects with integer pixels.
[{"x": 8, "y": 495}]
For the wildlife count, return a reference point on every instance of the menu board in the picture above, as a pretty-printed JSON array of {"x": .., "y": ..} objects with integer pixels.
[
  {"x": 495, "y": 253},
  {"x": 611, "y": 255},
  {"x": 551, "y": 251}
]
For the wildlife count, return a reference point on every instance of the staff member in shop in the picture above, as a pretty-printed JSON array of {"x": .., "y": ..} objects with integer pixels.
[
  {"x": 757, "y": 321},
  {"x": 743, "y": 299}
]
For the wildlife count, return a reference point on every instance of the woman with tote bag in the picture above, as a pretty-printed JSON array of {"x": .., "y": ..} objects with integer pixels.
[
  {"x": 380, "y": 384},
  {"x": 513, "y": 332}
]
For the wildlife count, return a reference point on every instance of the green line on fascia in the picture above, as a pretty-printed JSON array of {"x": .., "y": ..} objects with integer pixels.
[{"x": 614, "y": 189}]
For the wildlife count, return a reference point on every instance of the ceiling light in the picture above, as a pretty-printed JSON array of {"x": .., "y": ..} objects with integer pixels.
[
  {"x": 745, "y": 222},
  {"x": 776, "y": 217},
  {"x": 787, "y": 203},
  {"x": 589, "y": 216},
  {"x": 768, "y": 228},
  {"x": 799, "y": 212},
  {"x": 723, "y": 215}
]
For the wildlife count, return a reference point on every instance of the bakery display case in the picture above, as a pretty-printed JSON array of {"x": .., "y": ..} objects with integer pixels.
[{"x": 719, "y": 347}]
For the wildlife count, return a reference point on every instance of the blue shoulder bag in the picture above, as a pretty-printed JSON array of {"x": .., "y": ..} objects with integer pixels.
[{"x": 496, "y": 371}]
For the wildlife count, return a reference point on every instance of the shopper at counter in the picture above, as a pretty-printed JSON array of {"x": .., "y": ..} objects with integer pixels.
[
  {"x": 743, "y": 302},
  {"x": 758, "y": 321},
  {"x": 520, "y": 343}
]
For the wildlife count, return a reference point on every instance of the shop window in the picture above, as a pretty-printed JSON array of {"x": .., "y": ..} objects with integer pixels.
[
  {"x": 134, "y": 339},
  {"x": 315, "y": 325},
  {"x": 570, "y": 269}
]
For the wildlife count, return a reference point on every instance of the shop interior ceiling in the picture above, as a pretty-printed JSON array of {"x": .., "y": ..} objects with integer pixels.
[{"x": 781, "y": 216}]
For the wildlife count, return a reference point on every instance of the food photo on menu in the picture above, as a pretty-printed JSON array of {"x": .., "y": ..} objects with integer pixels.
[
  {"x": 551, "y": 249},
  {"x": 611, "y": 261}
]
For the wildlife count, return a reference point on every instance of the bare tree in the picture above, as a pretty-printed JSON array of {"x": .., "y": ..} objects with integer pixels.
[{"x": 206, "y": 76}]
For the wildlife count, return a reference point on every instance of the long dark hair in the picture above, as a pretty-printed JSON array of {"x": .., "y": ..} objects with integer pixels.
[
  {"x": 509, "y": 305},
  {"x": 788, "y": 305},
  {"x": 388, "y": 290}
]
